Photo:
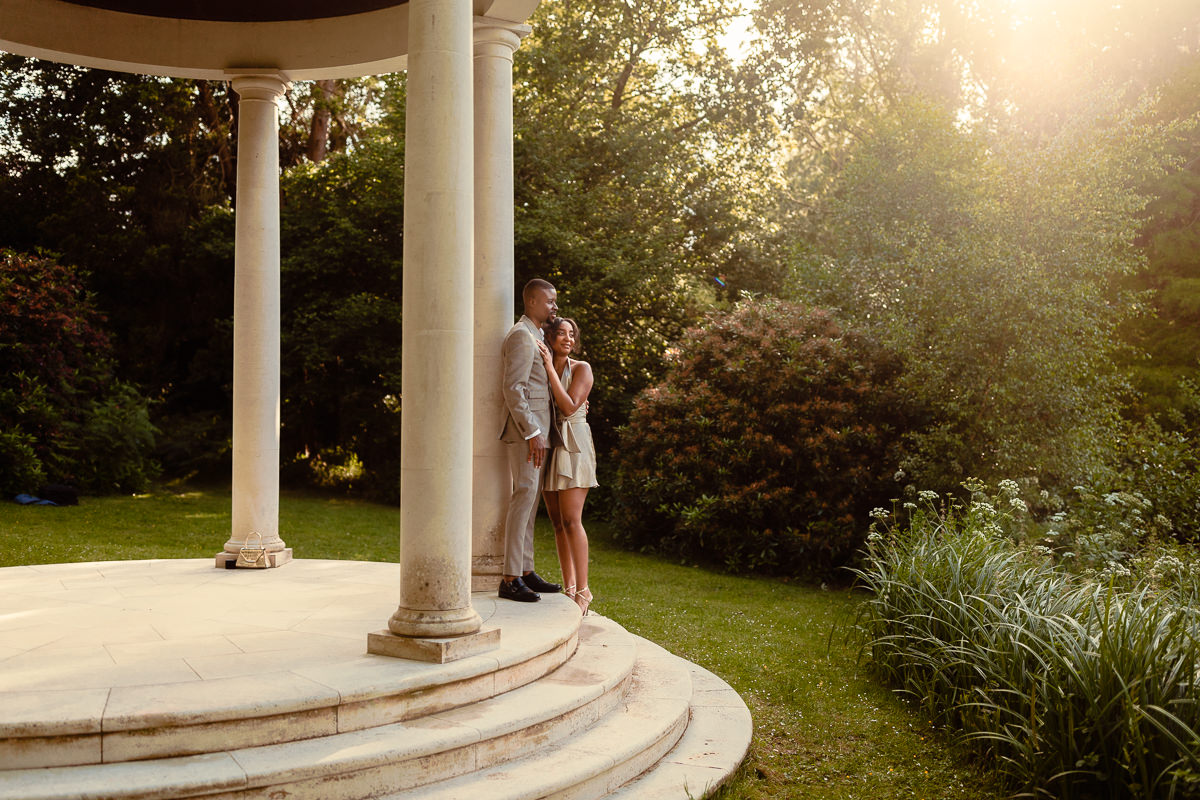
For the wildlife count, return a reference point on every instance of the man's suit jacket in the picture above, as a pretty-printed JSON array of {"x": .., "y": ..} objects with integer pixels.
[{"x": 526, "y": 386}]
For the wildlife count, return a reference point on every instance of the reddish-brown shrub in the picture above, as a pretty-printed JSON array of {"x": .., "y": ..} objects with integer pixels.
[
  {"x": 63, "y": 414},
  {"x": 769, "y": 440}
]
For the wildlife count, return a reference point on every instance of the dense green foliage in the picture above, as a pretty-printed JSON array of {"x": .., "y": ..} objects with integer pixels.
[
  {"x": 110, "y": 172},
  {"x": 341, "y": 327},
  {"x": 997, "y": 205},
  {"x": 764, "y": 444},
  {"x": 63, "y": 416},
  {"x": 994, "y": 211},
  {"x": 1071, "y": 686},
  {"x": 1171, "y": 240},
  {"x": 1160, "y": 462},
  {"x": 131, "y": 178},
  {"x": 990, "y": 269},
  {"x": 643, "y": 171}
]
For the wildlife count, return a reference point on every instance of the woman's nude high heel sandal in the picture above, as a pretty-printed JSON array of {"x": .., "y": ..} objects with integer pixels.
[{"x": 584, "y": 598}]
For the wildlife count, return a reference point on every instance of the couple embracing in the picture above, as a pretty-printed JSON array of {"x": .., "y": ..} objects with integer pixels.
[{"x": 549, "y": 446}]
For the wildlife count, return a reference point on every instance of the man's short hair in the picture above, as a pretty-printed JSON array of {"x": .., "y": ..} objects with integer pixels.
[{"x": 535, "y": 285}]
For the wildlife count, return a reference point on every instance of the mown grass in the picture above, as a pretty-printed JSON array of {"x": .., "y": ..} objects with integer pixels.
[
  {"x": 190, "y": 523},
  {"x": 824, "y": 729}
]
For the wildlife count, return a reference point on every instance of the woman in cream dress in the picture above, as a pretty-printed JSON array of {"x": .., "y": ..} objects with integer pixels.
[{"x": 571, "y": 470}]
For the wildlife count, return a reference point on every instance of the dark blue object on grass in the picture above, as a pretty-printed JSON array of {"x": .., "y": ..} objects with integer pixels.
[{"x": 30, "y": 500}]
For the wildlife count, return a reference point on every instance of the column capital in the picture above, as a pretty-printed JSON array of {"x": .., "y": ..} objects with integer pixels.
[
  {"x": 258, "y": 84},
  {"x": 503, "y": 34}
]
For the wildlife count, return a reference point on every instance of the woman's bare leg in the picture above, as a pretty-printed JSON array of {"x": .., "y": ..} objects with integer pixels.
[
  {"x": 566, "y": 562},
  {"x": 570, "y": 511}
]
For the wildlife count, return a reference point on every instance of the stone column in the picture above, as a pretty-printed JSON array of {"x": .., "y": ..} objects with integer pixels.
[
  {"x": 256, "y": 319},
  {"x": 435, "y": 620},
  {"x": 495, "y": 42}
]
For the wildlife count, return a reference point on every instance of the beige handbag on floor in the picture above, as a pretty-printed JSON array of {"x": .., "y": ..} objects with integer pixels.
[{"x": 255, "y": 557}]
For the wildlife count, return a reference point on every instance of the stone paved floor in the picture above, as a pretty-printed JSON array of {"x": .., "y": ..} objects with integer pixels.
[{"x": 180, "y": 640}]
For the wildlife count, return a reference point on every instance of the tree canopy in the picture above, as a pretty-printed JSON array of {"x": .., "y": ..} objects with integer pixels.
[{"x": 1003, "y": 193}]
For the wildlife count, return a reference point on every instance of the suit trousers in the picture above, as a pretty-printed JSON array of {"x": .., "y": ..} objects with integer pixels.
[{"x": 522, "y": 508}]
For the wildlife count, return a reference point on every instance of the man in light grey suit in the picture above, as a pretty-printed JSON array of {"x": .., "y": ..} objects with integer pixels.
[{"x": 527, "y": 433}]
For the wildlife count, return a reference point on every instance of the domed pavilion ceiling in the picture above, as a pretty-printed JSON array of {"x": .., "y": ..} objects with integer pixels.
[
  {"x": 216, "y": 39},
  {"x": 240, "y": 10}
]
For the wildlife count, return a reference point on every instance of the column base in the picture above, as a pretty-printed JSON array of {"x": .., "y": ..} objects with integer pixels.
[
  {"x": 435, "y": 651},
  {"x": 435, "y": 623},
  {"x": 276, "y": 559}
]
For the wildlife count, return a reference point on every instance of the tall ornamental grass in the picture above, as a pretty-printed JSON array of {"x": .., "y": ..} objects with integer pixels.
[{"x": 1071, "y": 686}]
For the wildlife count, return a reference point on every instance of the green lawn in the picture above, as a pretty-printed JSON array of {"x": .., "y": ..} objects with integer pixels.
[{"x": 823, "y": 727}]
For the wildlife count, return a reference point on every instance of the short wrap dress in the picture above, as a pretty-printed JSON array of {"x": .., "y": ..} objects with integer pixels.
[{"x": 573, "y": 464}]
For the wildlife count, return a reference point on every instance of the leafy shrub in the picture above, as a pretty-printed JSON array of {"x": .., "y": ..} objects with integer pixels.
[
  {"x": 334, "y": 468},
  {"x": 342, "y": 320},
  {"x": 115, "y": 442},
  {"x": 1070, "y": 686},
  {"x": 765, "y": 444},
  {"x": 63, "y": 416},
  {"x": 25, "y": 417},
  {"x": 1094, "y": 533},
  {"x": 1160, "y": 462},
  {"x": 1147, "y": 495},
  {"x": 49, "y": 326},
  {"x": 988, "y": 265},
  {"x": 20, "y": 468}
]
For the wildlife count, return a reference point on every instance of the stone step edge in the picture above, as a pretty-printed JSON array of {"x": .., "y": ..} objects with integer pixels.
[
  {"x": 280, "y": 719},
  {"x": 636, "y": 734},
  {"x": 233, "y": 698},
  {"x": 334, "y": 758},
  {"x": 710, "y": 751}
]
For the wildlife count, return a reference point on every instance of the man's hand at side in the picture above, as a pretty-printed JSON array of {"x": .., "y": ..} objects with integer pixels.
[{"x": 537, "y": 450}]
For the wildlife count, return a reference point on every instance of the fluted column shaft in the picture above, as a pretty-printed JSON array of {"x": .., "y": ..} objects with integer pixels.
[
  {"x": 256, "y": 314},
  {"x": 435, "y": 458},
  {"x": 495, "y": 43}
]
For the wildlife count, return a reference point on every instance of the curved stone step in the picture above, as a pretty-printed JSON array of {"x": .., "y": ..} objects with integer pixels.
[
  {"x": 291, "y": 707},
  {"x": 636, "y": 734},
  {"x": 369, "y": 762},
  {"x": 711, "y": 749},
  {"x": 213, "y": 685}
]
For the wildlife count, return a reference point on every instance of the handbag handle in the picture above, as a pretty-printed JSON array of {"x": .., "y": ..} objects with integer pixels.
[{"x": 259, "y": 553}]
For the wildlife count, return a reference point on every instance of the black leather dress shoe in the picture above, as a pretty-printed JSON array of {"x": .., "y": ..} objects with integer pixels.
[
  {"x": 535, "y": 582},
  {"x": 517, "y": 590}
]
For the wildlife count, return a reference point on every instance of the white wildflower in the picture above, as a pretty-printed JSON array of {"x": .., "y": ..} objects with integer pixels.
[
  {"x": 1114, "y": 569},
  {"x": 987, "y": 509},
  {"x": 974, "y": 485},
  {"x": 1166, "y": 567}
]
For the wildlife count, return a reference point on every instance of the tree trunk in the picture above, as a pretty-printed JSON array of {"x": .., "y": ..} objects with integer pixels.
[
  {"x": 318, "y": 135},
  {"x": 224, "y": 134}
]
